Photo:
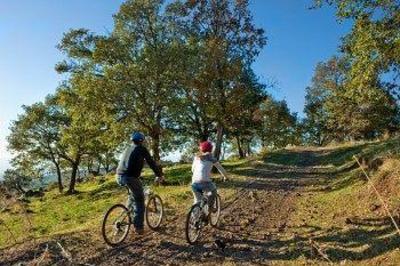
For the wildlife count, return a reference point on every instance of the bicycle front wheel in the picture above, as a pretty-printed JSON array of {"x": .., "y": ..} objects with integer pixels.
[
  {"x": 215, "y": 212},
  {"x": 193, "y": 224},
  {"x": 116, "y": 225},
  {"x": 154, "y": 212}
]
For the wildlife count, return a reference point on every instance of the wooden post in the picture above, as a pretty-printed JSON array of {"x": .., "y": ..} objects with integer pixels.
[{"x": 379, "y": 195}]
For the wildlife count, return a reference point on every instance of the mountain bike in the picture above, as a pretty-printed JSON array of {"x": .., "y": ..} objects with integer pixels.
[
  {"x": 200, "y": 215},
  {"x": 119, "y": 218}
]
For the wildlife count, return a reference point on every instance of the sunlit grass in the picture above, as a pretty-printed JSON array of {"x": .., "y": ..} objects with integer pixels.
[{"x": 57, "y": 213}]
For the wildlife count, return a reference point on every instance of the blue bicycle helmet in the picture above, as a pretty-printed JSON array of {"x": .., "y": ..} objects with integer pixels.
[{"x": 137, "y": 137}]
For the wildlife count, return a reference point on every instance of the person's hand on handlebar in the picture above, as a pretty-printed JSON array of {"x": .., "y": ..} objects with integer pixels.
[{"x": 159, "y": 180}]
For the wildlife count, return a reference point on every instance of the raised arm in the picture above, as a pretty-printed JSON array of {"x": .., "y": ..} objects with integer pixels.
[{"x": 221, "y": 170}]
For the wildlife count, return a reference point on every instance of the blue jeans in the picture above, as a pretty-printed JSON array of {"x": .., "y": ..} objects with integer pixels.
[
  {"x": 199, "y": 188},
  {"x": 136, "y": 201}
]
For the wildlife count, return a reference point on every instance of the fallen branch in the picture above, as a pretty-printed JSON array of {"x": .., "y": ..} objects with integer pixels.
[
  {"x": 65, "y": 253},
  {"x": 315, "y": 246},
  {"x": 379, "y": 195},
  {"x": 44, "y": 254}
]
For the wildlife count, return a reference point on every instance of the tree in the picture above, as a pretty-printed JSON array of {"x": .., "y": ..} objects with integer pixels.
[
  {"x": 15, "y": 181},
  {"x": 24, "y": 172},
  {"x": 133, "y": 69},
  {"x": 372, "y": 46},
  {"x": 340, "y": 107},
  {"x": 279, "y": 126},
  {"x": 37, "y": 132},
  {"x": 226, "y": 42},
  {"x": 79, "y": 137},
  {"x": 240, "y": 120},
  {"x": 160, "y": 71},
  {"x": 366, "y": 113},
  {"x": 191, "y": 119},
  {"x": 328, "y": 77},
  {"x": 350, "y": 9}
]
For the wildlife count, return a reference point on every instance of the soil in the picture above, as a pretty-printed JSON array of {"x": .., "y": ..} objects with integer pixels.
[{"x": 254, "y": 229}]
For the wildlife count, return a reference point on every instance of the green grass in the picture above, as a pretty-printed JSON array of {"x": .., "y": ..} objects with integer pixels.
[
  {"x": 57, "y": 213},
  {"x": 343, "y": 219},
  {"x": 333, "y": 156},
  {"x": 336, "y": 212}
]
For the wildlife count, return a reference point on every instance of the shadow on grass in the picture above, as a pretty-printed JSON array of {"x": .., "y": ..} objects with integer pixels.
[
  {"x": 367, "y": 239},
  {"x": 335, "y": 157},
  {"x": 354, "y": 244},
  {"x": 274, "y": 177}
]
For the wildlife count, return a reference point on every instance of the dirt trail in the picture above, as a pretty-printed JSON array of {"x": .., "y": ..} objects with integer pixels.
[
  {"x": 254, "y": 226},
  {"x": 250, "y": 221}
]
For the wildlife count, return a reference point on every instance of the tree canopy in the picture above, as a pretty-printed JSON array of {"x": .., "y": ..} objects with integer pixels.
[{"x": 182, "y": 71}]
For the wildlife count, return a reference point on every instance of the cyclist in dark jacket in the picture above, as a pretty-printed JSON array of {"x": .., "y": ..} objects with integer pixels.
[{"x": 129, "y": 171}]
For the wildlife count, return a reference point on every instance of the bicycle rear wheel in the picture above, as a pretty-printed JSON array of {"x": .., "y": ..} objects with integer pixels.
[
  {"x": 215, "y": 212},
  {"x": 154, "y": 212},
  {"x": 116, "y": 225},
  {"x": 193, "y": 224}
]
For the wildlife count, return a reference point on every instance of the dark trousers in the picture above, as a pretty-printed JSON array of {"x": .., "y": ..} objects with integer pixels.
[{"x": 136, "y": 201}]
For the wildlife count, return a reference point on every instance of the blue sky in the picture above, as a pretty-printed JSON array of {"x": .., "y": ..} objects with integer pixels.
[{"x": 298, "y": 38}]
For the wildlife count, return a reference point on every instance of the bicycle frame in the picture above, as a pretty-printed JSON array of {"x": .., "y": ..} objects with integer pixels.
[{"x": 204, "y": 203}]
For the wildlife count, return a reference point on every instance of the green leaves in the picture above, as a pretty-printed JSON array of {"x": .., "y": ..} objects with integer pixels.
[
  {"x": 340, "y": 106},
  {"x": 175, "y": 71},
  {"x": 363, "y": 102},
  {"x": 279, "y": 126}
]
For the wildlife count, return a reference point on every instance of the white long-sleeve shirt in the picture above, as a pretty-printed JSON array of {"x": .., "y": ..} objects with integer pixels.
[{"x": 202, "y": 166}]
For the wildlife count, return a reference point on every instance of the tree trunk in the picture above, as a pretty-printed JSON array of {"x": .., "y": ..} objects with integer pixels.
[
  {"x": 155, "y": 147},
  {"x": 59, "y": 178},
  {"x": 248, "y": 148},
  {"x": 72, "y": 183},
  {"x": 88, "y": 169},
  {"x": 107, "y": 167},
  {"x": 218, "y": 144},
  {"x": 241, "y": 154},
  {"x": 58, "y": 171},
  {"x": 223, "y": 151},
  {"x": 204, "y": 135},
  {"x": 89, "y": 166},
  {"x": 98, "y": 168},
  {"x": 79, "y": 179}
]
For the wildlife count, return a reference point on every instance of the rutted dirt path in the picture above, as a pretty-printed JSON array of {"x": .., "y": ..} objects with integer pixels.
[
  {"x": 300, "y": 207},
  {"x": 253, "y": 217},
  {"x": 250, "y": 221},
  {"x": 254, "y": 229}
]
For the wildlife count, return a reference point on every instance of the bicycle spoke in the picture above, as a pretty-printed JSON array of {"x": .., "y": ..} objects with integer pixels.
[
  {"x": 154, "y": 212},
  {"x": 116, "y": 224},
  {"x": 193, "y": 224}
]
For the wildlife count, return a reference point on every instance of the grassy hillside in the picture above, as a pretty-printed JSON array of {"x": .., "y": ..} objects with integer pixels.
[
  {"x": 342, "y": 212},
  {"x": 55, "y": 213},
  {"x": 298, "y": 195}
]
